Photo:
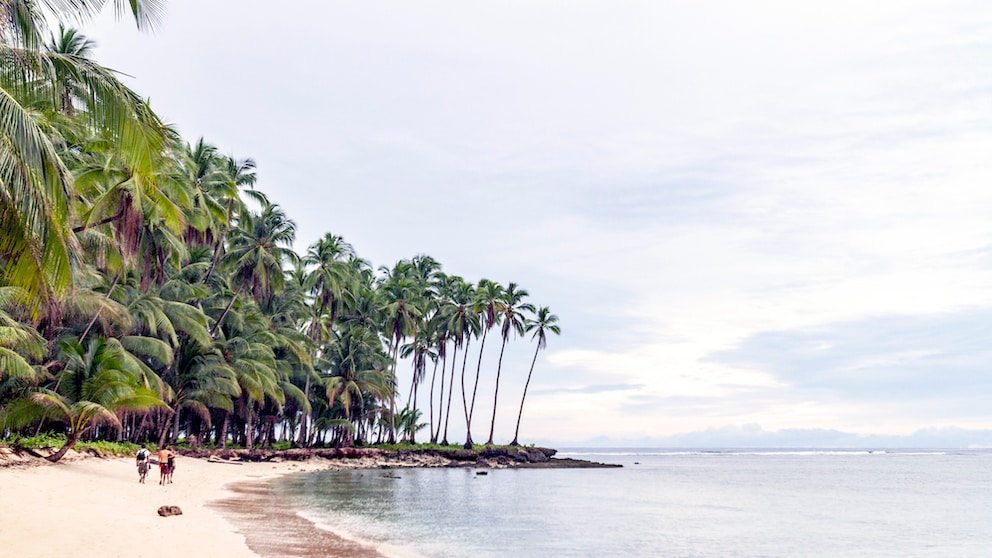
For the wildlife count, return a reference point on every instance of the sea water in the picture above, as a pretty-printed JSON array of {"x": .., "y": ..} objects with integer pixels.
[{"x": 760, "y": 503}]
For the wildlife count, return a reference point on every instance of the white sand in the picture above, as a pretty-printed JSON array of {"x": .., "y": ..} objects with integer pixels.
[{"x": 96, "y": 508}]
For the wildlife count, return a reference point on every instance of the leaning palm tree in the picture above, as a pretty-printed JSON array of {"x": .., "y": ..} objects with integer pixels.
[
  {"x": 511, "y": 308},
  {"x": 544, "y": 322},
  {"x": 35, "y": 185},
  {"x": 99, "y": 380}
]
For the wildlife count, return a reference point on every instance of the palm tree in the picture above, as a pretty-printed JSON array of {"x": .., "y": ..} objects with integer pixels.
[
  {"x": 17, "y": 339},
  {"x": 488, "y": 301},
  {"x": 407, "y": 423},
  {"x": 401, "y": 307},
  {"x": 463, "y": 324},
  {"x": 544, "y": 322},
  {"x": 420, "y": 350},
  {"x": 259, "y": 247},
  {"x": 331, "y": 276},
  {"x": 358, "y": 367},
  {"x": 511, "y": 308},
  {"x": 99, "y": 380},
  {"x": 35, "y": 185},
  {"x": 228, "y": 177}
]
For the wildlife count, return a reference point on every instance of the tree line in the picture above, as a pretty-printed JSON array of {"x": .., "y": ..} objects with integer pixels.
[{"x": 150, "y": 292}]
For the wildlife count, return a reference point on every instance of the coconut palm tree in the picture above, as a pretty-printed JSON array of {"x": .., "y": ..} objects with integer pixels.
[
  {"x": 463, "y": 323},
  {"x": 511, "y": 308},
  {"x": 17, "y": 340},
  {"x": 100, "y": 379},
  {"x": 401, "y": 308},
  {"x": 331, "y": 276},
  {"x": 260, "y": 244},
  {"x": 358, "y": 367},
  {"x": 543, "y": 323},
  {"x": 487, "y": 303},
  {"x": 35, "y": 184}
]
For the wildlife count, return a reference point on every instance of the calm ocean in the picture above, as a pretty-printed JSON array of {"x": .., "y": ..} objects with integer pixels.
[{"x": 759, "y": 503}]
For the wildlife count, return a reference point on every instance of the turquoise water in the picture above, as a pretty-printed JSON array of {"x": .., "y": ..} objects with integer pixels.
[{"x": 669, "y": 503}]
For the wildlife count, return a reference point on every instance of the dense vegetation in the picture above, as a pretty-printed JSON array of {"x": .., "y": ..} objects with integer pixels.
[{"x": 149, "y": 291}]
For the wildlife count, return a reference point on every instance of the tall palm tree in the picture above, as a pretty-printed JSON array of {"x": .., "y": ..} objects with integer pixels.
[
  {"x": 260, "y": 244},
  {"x": 488, "y": 300},
  {"x": 543, "y": 323},
  {"x": 463, "y": 324},
  {"x": 401, "y": 308},
  {"x": 229, "y": 179},
  {"x": 511, "y": 308},
  {"x": 331, "y": 276}
]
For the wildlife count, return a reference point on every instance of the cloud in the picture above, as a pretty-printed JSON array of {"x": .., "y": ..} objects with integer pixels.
[
  {"x": 753, "y": 436},
  {"x": 764, "y": 213},
  {"x": 892, "y": 358}
]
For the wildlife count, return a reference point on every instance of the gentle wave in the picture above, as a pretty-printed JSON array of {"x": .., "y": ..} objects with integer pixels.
[{"x": 319, "y": 520}]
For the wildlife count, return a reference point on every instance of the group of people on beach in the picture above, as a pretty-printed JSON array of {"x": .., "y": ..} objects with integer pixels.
[{"x": 166, "y": 463}]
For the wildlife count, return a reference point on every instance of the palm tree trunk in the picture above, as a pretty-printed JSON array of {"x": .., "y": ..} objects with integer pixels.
[
  {"x": 451, "y": 389},
  {"x": 392, "y": 396},
  {"x": 216, "y": 258},
  {"x": 413, "y": 429},
  {"x": 97, "y": 313},
  {"x": 165, "y": 429},
  {"x": 516, "y": 433},
  {"x": 468, "y": 418},
  {"x": 223, "y": 314},
  {"x": 499, "y": 367},
  {"x": 301, "y": 440},
  {"x": 175, "y": 427},
  {"x": 478, "y": 369},
  {"x": 69, "y": 444},
  {"x": 430, "y": 401},
  {"x": 221, "y": 441},
  {"x": 249, "y": 429}
]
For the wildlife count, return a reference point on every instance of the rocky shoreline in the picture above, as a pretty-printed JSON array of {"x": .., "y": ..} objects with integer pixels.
[
  {"x": 372, "y": 458},
  {"x": 347, "y": 458}
]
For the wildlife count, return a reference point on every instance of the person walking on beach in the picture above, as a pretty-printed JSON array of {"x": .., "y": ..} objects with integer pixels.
[
  {"x": 141, "y": 460},
  {"x": 166, "y": 458},
  {"x": 172, "y": 467}
]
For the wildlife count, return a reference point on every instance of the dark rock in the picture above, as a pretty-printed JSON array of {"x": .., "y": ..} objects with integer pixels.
[
  {"x": 490, "y": 452},
  {"x": 568, "y": 463},
  {"x": 166, "y": 511},
  {"x": 463, "y": 455}
]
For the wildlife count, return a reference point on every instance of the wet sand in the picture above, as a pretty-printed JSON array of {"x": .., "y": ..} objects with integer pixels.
[
  {"x": 273, "y": 530},
  {"x": 95, "y": 508}
]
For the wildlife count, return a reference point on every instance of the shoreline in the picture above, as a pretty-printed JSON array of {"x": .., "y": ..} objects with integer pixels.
[{"x": 88, "y": 506}]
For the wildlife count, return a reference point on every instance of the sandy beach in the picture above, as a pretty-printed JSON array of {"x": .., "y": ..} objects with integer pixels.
[{"x": 95, "y": 507}]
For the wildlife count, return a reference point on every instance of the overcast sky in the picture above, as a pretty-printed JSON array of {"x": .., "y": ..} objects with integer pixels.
[{"x": 749, "y": 216}]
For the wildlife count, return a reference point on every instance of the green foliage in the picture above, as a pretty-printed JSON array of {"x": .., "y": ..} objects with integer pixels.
[
  {"x": 122, "y": 449},
  {"x": 42, "y": 440},
  {"x": 140, "y": 295},
  {"x": 282, "y": 445},
  {"x": 436, "y": 447},
  {"x": 48, "y": 440}
]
